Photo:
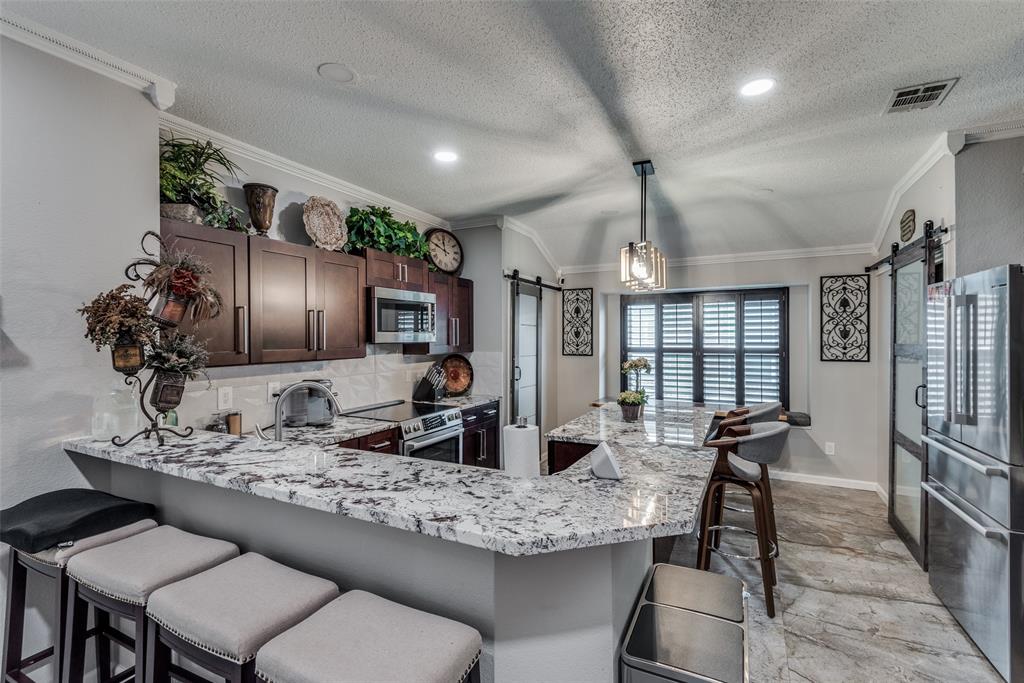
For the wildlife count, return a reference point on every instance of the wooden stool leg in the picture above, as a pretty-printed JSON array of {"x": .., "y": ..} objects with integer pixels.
[
  {"x": 703, "y": 551},
  {"x": 718, "y": 514},
  {"x": 101, "y": 621},
  {"x": 61, "y": 622},
  {"x": 158, "y": 656},
  {"x": 14, "y": 621},
  {"x": 764, "y": 549},
  {"x": 140, "y": 644},
  {"x": 74, "y": 643},
  {"x": 767, "y": 485}
]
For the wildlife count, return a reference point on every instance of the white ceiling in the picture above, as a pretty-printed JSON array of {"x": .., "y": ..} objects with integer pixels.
[{"x": 548, "y": 103}]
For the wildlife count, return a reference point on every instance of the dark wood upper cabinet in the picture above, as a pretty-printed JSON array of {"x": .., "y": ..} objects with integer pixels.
[
  {"x": 341, "y": 306},
  {"x": 397, "y": 272},
  {"x": 443, "y": 287},
  {"x": 227, "y": 253},
  {"x": 284, "y": 298},
  {"x": 462, "y": 312}
]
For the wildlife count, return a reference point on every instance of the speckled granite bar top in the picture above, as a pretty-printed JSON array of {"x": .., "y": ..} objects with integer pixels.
[
  {"x": 663, "y": 423},
  {"x": 469, "y": 401},
  {"x": 343, "y": 428},
  {"x": 659, "y": 494}
]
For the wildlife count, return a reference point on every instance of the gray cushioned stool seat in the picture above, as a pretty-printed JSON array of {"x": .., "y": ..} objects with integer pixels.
[
  {"x": 361, "y": 637},
  {"x": 234, "y": 608},
  {"x": 696, "y": 590},
  {"x": 131, "y": 569},
  {"x": 59, "y": 555},
  {"x": 744, "y": 469}
]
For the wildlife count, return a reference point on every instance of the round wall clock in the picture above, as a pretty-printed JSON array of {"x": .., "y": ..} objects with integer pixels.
[{"x": 445, "y": 250}]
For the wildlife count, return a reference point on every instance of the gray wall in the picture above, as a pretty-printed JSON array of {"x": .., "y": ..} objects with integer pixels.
[
  {"x": 79, "y": 169},
  {"x": 990, "y": 205}
]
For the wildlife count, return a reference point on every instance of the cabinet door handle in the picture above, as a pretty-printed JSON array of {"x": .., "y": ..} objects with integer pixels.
[
  {"x": 382, "y": 444},
  {"x": 405, "y": 272},
  {"x": 490, "y": 412},
  {"x": 311, "y": 330},
  {"x": 483, "y": 447},
  {"x": 242, "y": 329},
  {"x": 469, "y": 418},
  {"x": 323, "y": 330}
]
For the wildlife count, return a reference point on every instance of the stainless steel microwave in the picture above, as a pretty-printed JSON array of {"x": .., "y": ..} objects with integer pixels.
[{"x": 398, "y": 316}]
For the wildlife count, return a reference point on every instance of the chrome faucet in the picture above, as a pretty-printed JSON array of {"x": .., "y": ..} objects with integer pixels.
[{"x": 279, "y": 405}]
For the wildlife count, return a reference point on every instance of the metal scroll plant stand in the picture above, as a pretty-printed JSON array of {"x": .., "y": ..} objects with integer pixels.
[
  {"x": 179, "y": 306},
  {"x": 154, "y": 428}
]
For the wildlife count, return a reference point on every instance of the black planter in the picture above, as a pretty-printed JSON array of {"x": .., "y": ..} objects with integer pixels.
[
  {"x": 630, "y": 413},
  {"x": 128, "y": 355},
  {"x": 170, "y": 310},
  {"x": 168, "y": 388}
]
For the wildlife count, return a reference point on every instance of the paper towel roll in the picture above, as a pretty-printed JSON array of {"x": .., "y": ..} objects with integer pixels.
[{"x": 521, "y": 450}]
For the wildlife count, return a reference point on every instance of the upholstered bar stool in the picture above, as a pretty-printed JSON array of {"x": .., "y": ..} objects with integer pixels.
[
  {"x": 362, "y": 637},
  {"x": 744, "y": 453},
  {"x": 118, "y": 579},
  {"x": 44, "y": 533},
  {"x": 220, "y": 618}
]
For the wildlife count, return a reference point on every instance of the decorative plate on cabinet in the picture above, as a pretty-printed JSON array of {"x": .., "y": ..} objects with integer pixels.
[
  {"x": 324, "y": 223},
  {"x": 458, "y": 374}
]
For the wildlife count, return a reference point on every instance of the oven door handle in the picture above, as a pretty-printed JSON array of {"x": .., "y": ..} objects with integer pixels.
[
  {"x": 986, "y": 531},
  {"x": 430, "y": 442}
]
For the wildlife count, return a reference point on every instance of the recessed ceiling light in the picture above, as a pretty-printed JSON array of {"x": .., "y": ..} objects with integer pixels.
[
  {"x": 339, "y": 73},
  {"x": 757, "y": 87},
  {"x": 445, "y": 156}
]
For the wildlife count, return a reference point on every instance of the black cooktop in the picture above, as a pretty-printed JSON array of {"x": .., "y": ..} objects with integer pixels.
[{"x": 399, "y": 412}]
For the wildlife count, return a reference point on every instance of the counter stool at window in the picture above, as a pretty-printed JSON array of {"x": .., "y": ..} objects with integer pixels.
[
  {"x": 744, "y": 453},
  {"x": 44, "y": 533},
  {"x": 220, "y": 618},
  {"x": 363, "y": 637},
  {"x": 118, "y": 580}
]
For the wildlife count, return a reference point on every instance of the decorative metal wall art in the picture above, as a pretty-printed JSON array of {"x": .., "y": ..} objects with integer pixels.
[
  {"x": 845, "y": 332},
  {"x": 578, "y": 322}
]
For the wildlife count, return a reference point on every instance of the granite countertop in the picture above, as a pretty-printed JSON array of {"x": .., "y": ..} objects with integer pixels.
[
  {"x": 343, "y": 428},
  {"x": 663, "y": 423},
  {"x": 659, "y": 493},
  {"x": 469, "y": 401}
]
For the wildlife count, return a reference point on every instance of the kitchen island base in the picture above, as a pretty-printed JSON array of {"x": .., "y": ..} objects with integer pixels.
[{"x": 556, "y": 616}]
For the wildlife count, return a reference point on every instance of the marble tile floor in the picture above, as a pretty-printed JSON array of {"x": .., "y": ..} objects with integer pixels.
[{"x": 852, "y": 605}]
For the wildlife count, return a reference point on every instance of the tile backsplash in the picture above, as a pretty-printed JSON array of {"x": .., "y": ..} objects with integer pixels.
[{"x": 385, "y": 374}]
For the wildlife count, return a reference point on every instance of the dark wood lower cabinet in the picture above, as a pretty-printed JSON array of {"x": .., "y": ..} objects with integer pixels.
[
  {"x": 565, "y": 454},
  {"x": 481, "y": 441},
  {"x": 387, "y": 441}
]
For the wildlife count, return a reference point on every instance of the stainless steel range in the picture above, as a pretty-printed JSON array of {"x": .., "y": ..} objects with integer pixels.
[
  {"x": 975, "y": 440},
  {"x": 429, "y": 430}
]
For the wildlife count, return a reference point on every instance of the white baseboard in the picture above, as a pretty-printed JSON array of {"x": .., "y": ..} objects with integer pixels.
[
  {"x": 882, "y": 493},
  {"x": 824, "y": 481}
]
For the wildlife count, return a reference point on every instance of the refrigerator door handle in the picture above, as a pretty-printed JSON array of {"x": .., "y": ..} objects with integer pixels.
[
  {"x": 950, "y": 333},
  {"x": 986, "y": 531},
  {"x": 970, "y": 462}
]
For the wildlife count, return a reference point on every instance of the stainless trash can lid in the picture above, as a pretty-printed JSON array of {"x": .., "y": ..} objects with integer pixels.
[{"x": 699, "y": 591}]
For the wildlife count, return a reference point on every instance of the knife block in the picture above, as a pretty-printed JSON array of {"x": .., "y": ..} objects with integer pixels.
[{"x": 426, "y": 393}]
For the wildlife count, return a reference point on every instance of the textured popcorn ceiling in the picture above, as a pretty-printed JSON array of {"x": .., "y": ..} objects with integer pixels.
[{"x": 548, "y": 104}]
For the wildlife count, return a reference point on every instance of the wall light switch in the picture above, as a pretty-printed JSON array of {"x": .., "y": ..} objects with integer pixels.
[
  {"x": 225, "y": 395},
  {"x": 830, "y": 448},
  {"x": 272, "y": 389}
]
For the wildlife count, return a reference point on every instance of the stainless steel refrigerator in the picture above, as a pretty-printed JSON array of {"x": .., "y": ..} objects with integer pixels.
[{"x": 975, "y": 442}]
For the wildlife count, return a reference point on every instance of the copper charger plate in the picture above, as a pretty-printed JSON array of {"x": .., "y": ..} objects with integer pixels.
[{"x": 458, "y": 374}]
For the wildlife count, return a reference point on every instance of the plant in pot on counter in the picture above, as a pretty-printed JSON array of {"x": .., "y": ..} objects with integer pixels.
[
  {"x": 175, "y": 359},
  {"x": 376, "y": 228},
  {"x": 188, "y": 183},
  {"x": 632, "y": 402},
  {"x": 120, "y": 320},
  {"x": 180, "y": 280}
]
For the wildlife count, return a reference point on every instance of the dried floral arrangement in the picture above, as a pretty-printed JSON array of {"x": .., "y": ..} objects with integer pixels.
[
  {"x": 181, "y": 354},
  {"x": 178, "y": 274},
  {"x": 635, "y": 366},
  {"x": 632, "y": 398},
  {"x": 116, "y": 314}
]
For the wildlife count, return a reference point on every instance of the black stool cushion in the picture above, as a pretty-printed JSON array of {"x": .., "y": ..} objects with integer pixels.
[{"x": 67, "y": 515}]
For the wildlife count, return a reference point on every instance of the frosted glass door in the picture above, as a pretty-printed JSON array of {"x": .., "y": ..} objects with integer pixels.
[{"x": 526, "y": 309}]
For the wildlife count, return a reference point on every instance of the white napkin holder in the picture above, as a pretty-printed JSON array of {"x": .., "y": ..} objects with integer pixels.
[{"x": 603, "y": 463}]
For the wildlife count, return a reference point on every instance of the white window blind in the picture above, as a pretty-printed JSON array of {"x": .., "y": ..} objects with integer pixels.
[{"x": 724, "y": 348}]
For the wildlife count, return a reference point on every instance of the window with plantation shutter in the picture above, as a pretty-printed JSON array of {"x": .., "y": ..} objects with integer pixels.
[{"x": 725, "y": 348}]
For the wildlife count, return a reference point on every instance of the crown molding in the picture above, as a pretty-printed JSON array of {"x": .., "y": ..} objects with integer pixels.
[
  {"x": 358, "y": 195},
  {"x": 158, "y": 89},
  {"x": 747, "y": 257},
  {"x": 508, "y": 223},
  {"x": 947, "y": 144},
  {"x": 993, "y": 132}
]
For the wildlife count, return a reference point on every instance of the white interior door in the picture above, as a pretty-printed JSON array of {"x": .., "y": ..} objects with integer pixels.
[{"x": 526, "y": 317}]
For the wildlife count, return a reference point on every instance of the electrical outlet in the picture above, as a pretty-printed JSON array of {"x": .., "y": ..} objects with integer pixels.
[
  {"x": 225, "y": 395},
  {"x": 830, "y": 448},
  {"x": 272, "y": 389}
]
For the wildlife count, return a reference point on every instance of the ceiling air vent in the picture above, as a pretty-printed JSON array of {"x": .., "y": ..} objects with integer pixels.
[{"x": 922, "y": 96}]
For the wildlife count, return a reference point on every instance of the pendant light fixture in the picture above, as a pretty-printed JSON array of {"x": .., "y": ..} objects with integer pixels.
[{"x": 641, "y": 265}]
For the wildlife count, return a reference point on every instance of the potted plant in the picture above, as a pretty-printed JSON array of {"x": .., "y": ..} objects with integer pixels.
[
  {"x": 173, "y": 360},
  {"x": 120, "y": 320},
  {"x": 630, "y": 402},
  {"x": 179, "y": 279},
  {"x": 376, "y": 228},
  {"x": 635, "y": 366},
  {"x": 188, "y": 182}
]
